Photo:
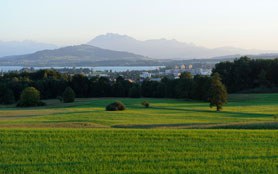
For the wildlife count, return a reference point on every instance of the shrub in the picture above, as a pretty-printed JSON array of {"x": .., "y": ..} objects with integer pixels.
[
  {"x": 116, "y": 106},
  {"x": 30, "y": 96},
  {"x": 68, "y": 95},
  {"x": 145, "y": 104}
]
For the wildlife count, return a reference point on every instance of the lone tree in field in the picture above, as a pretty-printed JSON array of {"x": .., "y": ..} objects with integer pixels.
[
  {"x": 30, "y": 96},
  {"x": 217, "y": 92},
  {"x": 68, "y": 95}
]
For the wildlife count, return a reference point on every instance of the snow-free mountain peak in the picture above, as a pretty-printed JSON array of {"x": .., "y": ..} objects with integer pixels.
[{"x": 164, "y": 48}]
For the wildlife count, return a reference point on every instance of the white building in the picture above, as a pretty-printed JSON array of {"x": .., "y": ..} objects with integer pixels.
[
  {"x": 145, "y": 75},
  {"x": 183, "y": 66},
  {"x": 205, "y": 71},
  {"x": 177, "y": 75},
  {"x": 103, "y": 75}
]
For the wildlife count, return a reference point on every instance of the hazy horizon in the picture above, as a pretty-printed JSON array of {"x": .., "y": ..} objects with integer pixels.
[
  {"x": 59, "y": 45},
  {"x": 243, "y": 24}
]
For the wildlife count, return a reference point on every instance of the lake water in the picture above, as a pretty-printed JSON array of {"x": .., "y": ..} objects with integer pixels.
[{"x": 97, "y": 68}]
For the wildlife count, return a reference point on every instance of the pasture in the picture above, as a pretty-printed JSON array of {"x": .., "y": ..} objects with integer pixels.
[{"x": 243, "y": 110}]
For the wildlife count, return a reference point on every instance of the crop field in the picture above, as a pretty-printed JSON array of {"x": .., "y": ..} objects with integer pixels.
[
  {"x": 172, "y": 136},
  {"x": 138, "y": 151}
]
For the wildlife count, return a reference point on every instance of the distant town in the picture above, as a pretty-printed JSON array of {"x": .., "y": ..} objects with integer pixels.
[{"x": 155, "y": 73}]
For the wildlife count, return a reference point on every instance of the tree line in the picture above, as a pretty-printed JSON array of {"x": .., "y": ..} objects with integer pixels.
[
  {"x": 245, "y": 74},
  {"x": 51, "y": 84},
  {"x": 242, "y": 74}
]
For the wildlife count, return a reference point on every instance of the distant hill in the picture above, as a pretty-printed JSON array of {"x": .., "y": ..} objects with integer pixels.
[
  {"x": 166, "y": 49},
  {"x": 80, "y": 55},
  {"x": 23, "y": 47}
]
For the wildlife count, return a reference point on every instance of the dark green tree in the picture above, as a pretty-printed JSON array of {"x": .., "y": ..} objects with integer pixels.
[
  {"x": 186, "y": 75},
  {"x": 68, "y": 95},
  {"x": 169, "y": 86},
  {"x": 118, "y": 87},
  {"x": 121, "y": 87},
  {"x": 159, "y": 92},
  {"x": 184, "y": 88},
  {"x": 6, "y": 96},
  {"x": 217, "y": 92},
  {"x": 103, "y": 87},
  {"x": 30, "y": 96},
  {"x": 201, "y": 85},
  {"x": 245, "y": 73},
  {"x": 80, "y": 84},
  {"x": 135, "y": 91},
  {"x": 262, "y": 78},
  {"x": 147, "y": 88}
]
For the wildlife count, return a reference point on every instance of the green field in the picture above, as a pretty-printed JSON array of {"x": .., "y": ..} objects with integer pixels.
[
  {"x": 135, "y": 151},
  {"x": 172, "y": 136},
  {"x": 243, "y": 110}
]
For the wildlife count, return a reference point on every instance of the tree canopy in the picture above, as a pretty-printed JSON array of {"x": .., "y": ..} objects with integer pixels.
[
  {"x": 245, "y": 73},
  {"x": 68, "y": 95},
  {"x": 30, "y": 96}
]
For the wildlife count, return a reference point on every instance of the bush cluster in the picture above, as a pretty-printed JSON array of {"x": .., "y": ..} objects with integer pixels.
[
  {"x": 145, "y": 104},
  {"x": 115, "y": 106}
]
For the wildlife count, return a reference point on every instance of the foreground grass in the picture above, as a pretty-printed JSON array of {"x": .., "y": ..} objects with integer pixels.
[
  {"x": 255, "y": 111},
  {"x": 138, "y": 151}
]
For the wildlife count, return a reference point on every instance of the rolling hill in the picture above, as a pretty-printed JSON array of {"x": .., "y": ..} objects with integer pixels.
[{"x": 80, "y": 55}]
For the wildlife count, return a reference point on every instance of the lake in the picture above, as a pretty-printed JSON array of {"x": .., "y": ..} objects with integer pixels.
[{"x": 97, "y": 68}]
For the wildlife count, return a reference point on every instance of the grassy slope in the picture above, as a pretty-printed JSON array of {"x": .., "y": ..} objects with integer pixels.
[
  {"x": 253, "y": 111},
  {"x": 135, "y": 151}
]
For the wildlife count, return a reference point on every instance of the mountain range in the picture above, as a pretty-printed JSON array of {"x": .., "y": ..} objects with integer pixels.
[
  {"x": 166, "y": 49},
  {"x": 118, "y": 50}
]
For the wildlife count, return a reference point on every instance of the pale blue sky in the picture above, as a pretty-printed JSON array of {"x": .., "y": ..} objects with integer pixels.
[{"x": 210, "y": 23}]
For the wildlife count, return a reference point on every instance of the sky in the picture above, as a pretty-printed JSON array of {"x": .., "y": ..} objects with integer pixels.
[{"x": 249, "y": 24}]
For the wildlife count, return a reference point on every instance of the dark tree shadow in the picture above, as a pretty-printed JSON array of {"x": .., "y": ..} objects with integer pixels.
[
  {"x": 153, "y": 126},
  {"x": 235, "y": 114}
]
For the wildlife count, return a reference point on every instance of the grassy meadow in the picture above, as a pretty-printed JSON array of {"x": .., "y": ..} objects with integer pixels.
[
  {"x": 245, "y": 110},
  {"x": 172, "y": 136}
]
